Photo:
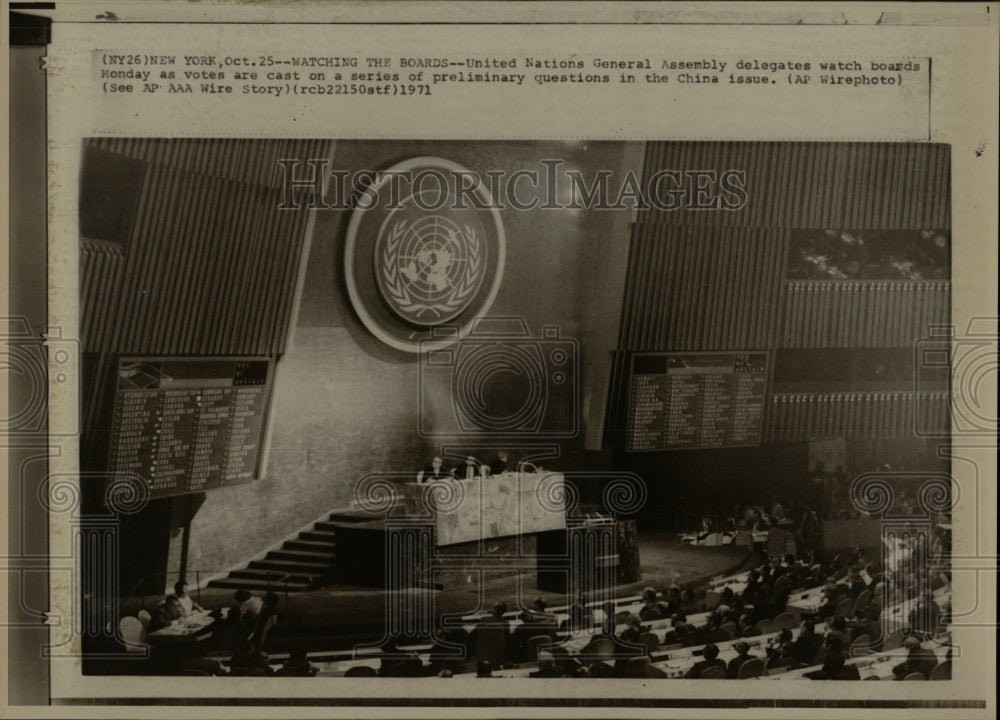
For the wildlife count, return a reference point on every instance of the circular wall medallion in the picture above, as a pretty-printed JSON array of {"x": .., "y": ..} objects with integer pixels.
[
  {"x": 425, "y": 248},
  {"x": 429, "y": 266}
]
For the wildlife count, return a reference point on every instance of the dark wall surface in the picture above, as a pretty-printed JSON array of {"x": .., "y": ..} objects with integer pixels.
[{"x": 346, "y": 405}]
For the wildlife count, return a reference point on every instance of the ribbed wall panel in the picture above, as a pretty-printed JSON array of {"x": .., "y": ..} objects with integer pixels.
[
  {"x": 101, "y": 268},
  {"x": 254, "y": 249},
  {"x": 98, "y": 390},
  {"x": 793, "y": 417},
  {"x": 251, "y": 161},
  {"x": 862, "y": 313},
  {"x": 618, "y": 392},
  {"x": 817, "y": 185},
  {"x": 211, "y": 264},
  {"x": 715, "y": 280},
  {"x": 149, "y": 214},
  {"x": 700, "y": 288}
]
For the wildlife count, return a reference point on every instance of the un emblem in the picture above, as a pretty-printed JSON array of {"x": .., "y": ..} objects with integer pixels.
[
  {"x": 427, "y": 247},
  {"x": 429, "y": 268}
]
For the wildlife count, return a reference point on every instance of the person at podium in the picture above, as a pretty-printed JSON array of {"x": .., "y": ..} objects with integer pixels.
[
  {"x": 434, "y": 471},
  {"x": 498, "y": 464},
  {"x": 468, "y": 469}
]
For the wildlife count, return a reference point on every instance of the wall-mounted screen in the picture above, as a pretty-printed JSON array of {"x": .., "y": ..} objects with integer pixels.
[
  {"x": 695, "y": 400},
  {"x": 190, "y": 424}
]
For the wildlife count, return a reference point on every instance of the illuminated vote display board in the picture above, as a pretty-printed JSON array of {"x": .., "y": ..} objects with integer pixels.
[
  {"x": 190, "y": 424},
  {"x": 695, "y": 400}
]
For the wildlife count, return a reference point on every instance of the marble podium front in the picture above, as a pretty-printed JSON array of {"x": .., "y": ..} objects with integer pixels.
[{"x": 503, "y": 505}]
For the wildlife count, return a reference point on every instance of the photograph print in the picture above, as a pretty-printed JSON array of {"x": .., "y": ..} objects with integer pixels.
[{"x": 653, "y": 411}]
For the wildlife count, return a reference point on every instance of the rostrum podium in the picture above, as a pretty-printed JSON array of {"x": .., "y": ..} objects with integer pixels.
[
  {"x": 515, "y": 522},
  {"x": 598, "y": 552}
]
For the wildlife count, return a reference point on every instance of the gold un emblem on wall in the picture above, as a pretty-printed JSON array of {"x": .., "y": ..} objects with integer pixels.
[{"x": 425, "y": 246}]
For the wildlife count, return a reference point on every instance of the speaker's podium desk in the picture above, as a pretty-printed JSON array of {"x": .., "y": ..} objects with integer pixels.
[
  {"x": 506, "y": 505},
  {"x": 511, "y": 522},
  {"x": 449, "y": 529}
]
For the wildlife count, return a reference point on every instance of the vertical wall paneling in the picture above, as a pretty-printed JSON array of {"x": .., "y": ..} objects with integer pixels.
[
  {"x": 862, "y": 313},
  {"x": 801, "y": 416},
  {"x": 817, "y": 185},
  {"x": 702, "y": 288},
  {"x": 210, "y": 263},
  {"x": 707, "y": 280}
]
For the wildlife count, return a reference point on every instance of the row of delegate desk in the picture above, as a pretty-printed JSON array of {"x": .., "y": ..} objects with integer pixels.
[
  {"x": 673, "y": 661},
  {"x": 670, "y": 661},
  {"x": 808, "y": 602},
  {"x": 676, "y": 662},
  {"x": 800, "y": 602},
  {"x": 195, "y": 627},
  {"x": 805, "y": 602}
]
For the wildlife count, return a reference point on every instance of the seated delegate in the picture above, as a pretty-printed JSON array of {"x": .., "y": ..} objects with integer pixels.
[{"x": 434, "y": 471}]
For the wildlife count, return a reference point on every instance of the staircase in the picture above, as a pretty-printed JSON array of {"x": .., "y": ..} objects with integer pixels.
[{"x": 301, "y": 563}]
